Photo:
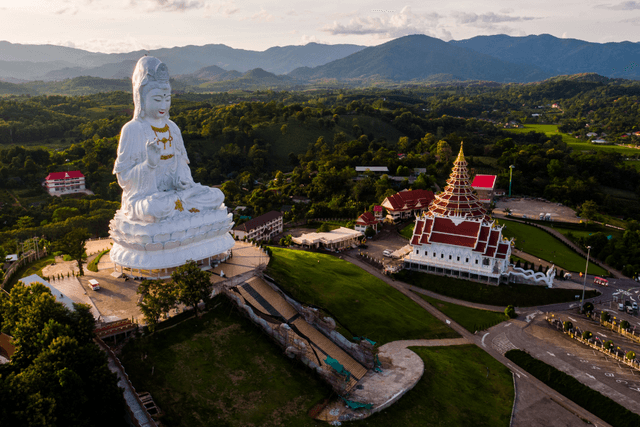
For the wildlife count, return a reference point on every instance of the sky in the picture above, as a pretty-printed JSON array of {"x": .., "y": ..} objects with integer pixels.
[{"x": 113, "y": 26}]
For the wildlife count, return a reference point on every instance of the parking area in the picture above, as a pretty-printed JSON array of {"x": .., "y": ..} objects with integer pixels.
[
  {"x": 532, "y": 208},
  {"x": 387, "y": 239},
  {"x": 594, "y": 369}
]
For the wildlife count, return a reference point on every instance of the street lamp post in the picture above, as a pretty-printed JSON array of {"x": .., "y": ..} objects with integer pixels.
[
  {"x": 511, "y": 168},
  {"x": 584, "y": 283}
]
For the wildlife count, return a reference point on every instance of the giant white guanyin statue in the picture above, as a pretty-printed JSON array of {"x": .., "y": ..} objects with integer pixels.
[{"x": 165, "y": 218}]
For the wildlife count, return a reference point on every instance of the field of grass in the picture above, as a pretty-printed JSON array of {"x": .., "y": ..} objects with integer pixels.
[
  {"x": 407, "y": 231},
  {"x": 516, "y": 294},
  {"x": 222, "y": 370},
  {"x": 472, "y": 319},
  {"x": 541, "y": 244},
  {"x": 576, "y": 144},
  {"x": 455, "y": 390},
  {"x": 29, "y": 269},
  {"x": 361, "y": 303}
]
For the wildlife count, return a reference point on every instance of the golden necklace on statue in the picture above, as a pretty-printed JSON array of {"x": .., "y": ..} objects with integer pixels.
[{"x": 163, "y": 140}]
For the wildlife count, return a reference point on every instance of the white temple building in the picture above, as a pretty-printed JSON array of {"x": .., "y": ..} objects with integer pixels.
[{"x": 456, "y": 237}]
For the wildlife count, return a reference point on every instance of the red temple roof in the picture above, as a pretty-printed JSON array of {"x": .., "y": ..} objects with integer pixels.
[
  {"x": 408, "y": 200},
  {"x": 484, "y": 181},
  {"x": 367, "y": 218},
  {"x": 64, "y": 175}
]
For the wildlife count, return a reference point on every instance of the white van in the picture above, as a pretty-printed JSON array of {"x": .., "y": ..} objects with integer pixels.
[
  {"x": 387, "y": 253},
  {"x": 95, "y": 285}
]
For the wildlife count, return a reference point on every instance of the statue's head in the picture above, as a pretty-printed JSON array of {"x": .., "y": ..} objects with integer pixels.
[{"x": 150, "y": 73}]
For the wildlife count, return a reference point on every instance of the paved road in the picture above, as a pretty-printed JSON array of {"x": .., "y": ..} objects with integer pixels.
[{"x": 523, "y": 413}]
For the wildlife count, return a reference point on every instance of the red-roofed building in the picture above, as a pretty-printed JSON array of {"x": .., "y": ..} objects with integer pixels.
[
  {"x": 485, "y": 186},
  {"x": 407, "y": 203},
  {"x": 60, "y": 183},
  {"x": 456, "y": 237},
  {"x": 365, "y": 220}
]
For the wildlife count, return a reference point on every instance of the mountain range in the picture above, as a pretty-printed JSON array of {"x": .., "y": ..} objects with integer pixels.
[{"x": 416, "y": 58}]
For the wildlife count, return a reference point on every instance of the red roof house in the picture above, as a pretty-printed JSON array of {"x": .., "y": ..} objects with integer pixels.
[
  {"x": 407, "y": 202},
  {"x": 365, "y": 220},
  {"x": 484, "y": 185},
  {"x": 60, "y": 183}
]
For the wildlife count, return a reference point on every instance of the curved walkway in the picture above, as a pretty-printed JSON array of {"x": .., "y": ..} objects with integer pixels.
[{"x": 522, "y": 378}]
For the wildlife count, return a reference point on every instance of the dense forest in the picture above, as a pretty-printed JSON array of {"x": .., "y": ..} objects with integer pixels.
[{"x": 264, "y": 147}]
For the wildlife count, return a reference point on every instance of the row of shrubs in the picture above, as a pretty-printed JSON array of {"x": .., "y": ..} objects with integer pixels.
[
  {"x": 596, "y": 403},
  {"x": 608, "y": 345},
  {"x": 93, "y": 265}
]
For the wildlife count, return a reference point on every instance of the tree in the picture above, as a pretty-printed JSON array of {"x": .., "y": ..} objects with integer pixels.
[
  {"x": 284, "y": 128},
  {"x": 158, "y": 298},
  {"x": 608, "y": 345},
  {"x": 624, "y": 325},
  {"x": 369, "y": 232},
  {"x": 567, "y": 325},
  {"x": 192, "y": 285},
  {"x": 586, "y": 335},
  {"x": 510, "y": 312},
  {"x": 324, "y": 228},
  {"x": 588, "y": 307},
  {"x": 72, "y": 244},
  {"x": 604, "y": 316},
  {"x": 57, "y": 376},
  {"x": 24, "y": 222},
  {"x": 631, "y": 355},
  {"x": 589, "y": 209}
]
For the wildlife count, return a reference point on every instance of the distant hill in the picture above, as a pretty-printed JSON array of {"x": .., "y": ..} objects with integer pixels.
[
  {"x": 46, "y": 62},
  {"x": 561, "y": 56},
  {"x": 418, "y": 57}
]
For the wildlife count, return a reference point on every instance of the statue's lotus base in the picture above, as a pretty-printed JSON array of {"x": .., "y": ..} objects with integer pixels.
[{"x": 159, "y": 247}]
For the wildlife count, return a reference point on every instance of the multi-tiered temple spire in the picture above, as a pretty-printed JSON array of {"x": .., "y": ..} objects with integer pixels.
[{"x": 458, "y": 199}]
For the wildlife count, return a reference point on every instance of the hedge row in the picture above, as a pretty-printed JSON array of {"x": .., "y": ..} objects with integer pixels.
[
  {"x": 593, "y": 401},
  {"x": 93, "y": 265}
]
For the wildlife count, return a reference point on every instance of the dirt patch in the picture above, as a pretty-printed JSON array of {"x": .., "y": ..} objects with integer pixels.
[{"x": 532, "y": 208}]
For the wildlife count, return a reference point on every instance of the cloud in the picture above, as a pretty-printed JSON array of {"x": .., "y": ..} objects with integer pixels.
[
  {"x": 305, "y": 39},
  {"x": 625, "y": 5},
  {"x": 393, "y": 25},
  {"x": 124, "y": 45},
  {"x": 487, "y": 18},
  {"x": 262, "y": 16},
  {"x": 178, "y": 5},
  {"x": 67, "y": 11},
  {"x": 225, "y": 9}
]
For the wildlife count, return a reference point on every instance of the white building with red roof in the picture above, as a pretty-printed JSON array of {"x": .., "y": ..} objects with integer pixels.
[
  {"x": 456, "y": 237},
  {"x": 485, "y": 186},
  {"x": 60, "y": 183},
  {"x": 407, "y": 203},
  {"x": 365, "y": 220}
]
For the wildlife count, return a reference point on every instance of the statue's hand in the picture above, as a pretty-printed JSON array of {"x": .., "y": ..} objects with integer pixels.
[
  {"x": 153, "y": 153},
  {"x": 182, "y": 183}
]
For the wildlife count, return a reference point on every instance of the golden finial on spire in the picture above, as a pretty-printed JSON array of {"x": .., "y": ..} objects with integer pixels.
[{"x": 460, "y": 154}]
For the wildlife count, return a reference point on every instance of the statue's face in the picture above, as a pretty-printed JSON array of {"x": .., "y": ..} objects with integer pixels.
[{"x": 157, "y": 103}]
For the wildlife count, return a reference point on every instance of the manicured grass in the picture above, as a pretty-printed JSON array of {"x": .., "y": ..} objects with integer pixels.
[
  {"x": 361, "y": 303},
  {"x": 602, "y": 406},
  {"x": 222, "y": 370},
  {"x": 472, "y": 319},
  {"x": 407, "y": 231},
  {"x": 541, "y": 244},
  {"x": 455, "y": 390},
  {"x": 516, "y": 294},
  {"x": 29, "y": 269}
]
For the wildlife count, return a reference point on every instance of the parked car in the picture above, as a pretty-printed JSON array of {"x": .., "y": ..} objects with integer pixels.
[
  {"x": 387, "y": 253},
  {"x": 635, "y": 306},
  {"x": 620, "y": 307},
  {"x": 95, "y": 285}
]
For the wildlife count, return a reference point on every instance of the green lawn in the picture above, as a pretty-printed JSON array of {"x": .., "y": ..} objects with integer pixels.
[
  {"x": 472, "y": 319},
  {"x": 362, "y": 304},
  {"x": 516, "y": 294},
  {"x": 576, "y": 144},
  {"x": 541, "y": 244},
  {"x": 222, "y": 370},
  {"x": 461, "y": 386},
  {"x": 407, "y": 231},
  {"x": 29, "y": 269}
]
